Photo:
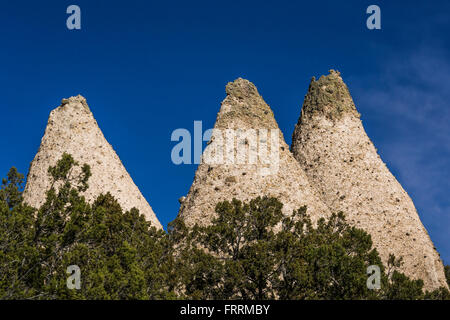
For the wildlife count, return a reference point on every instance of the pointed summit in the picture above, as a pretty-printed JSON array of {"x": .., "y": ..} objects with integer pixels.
[
  {"x": 73, "y": 101},
  {"x": 331, "y": 145},
  {"x": 329, "y": 96},
  {"x": 247, "y": 157},
  {"x": 241, "y": 88},
  {"x": 72, "y": 129}
]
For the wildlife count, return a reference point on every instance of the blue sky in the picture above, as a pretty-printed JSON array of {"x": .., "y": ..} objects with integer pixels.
[{"x": 148, "y": 68}]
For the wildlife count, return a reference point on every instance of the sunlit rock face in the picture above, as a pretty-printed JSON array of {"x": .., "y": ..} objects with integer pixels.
[
  {"x": 247, "y": 157},
  {"x": 341, "y": 162},
  {"x": 72, "y": 129}
]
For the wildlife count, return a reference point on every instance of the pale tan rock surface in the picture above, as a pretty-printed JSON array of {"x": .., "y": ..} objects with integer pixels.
[
  {"x": 331, "y": 145},
  {"x": 244, "y": 109},
  {"x": 72, "y": 129}
]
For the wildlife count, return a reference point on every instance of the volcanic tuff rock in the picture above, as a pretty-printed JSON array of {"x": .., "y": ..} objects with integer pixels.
[
  {"x": 244, "y": 109},
  {"x": 72, "y": 129},
  {"x": 331, "y": 145}
]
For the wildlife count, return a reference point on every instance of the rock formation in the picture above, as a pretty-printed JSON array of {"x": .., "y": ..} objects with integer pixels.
[
  {"x": 72, "y": 129},
  {"x": 247, "y": 157},
  {"x": 339, "y": 159}
]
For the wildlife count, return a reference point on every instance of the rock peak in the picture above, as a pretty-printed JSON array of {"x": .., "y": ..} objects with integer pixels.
[
  {"x": 241, "y": 88},
  {"x": 240, "y": 175},
  {"x": 329, "y": 96},
  {"x": 244, "y": 107}
]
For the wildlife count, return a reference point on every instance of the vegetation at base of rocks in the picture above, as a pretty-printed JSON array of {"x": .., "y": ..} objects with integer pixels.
[
  {"x": 119, "y": 254},
  {"x": 251, "y": 251},
  {"x": 254, "y": 252}
]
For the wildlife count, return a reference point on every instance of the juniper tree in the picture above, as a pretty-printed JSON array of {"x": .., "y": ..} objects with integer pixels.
[{"x": 17, "y": 249}]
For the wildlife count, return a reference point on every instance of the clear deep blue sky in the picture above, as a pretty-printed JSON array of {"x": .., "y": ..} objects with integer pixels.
[{"x": 149, "y": 67}]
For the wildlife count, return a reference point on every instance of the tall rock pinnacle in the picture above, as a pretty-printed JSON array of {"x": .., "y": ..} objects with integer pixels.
[
  {"x": 247, "y": 157},
  {"x": 72, "y": 129},
  {"x": 331, "y": 145}
]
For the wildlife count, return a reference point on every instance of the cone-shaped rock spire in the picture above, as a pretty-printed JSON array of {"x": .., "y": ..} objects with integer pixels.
[
  {"x": 253, "y": 161},
  {"x": 72, "y": 129},
  {"x": 331, "y": 145}
]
